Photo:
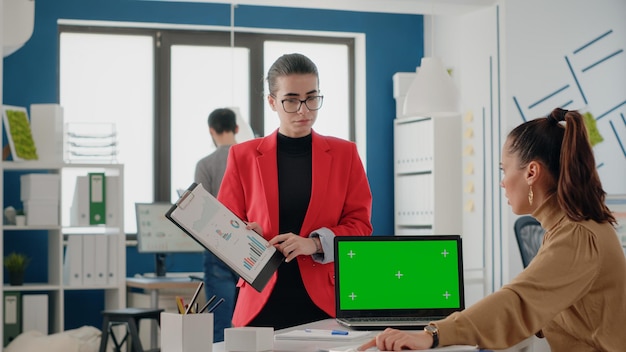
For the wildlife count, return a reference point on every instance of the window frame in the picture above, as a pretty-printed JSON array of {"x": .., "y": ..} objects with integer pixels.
[{"x": 165, "y": 38}]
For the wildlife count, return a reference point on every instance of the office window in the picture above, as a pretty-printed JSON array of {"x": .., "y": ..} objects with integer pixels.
[
  {"x": 203, "y": 78},
  {"x": 159, "y": 86},
  {"x": 110, "y": 78}
]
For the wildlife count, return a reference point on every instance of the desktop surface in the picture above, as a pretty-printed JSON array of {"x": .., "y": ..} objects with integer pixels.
[
  {"x": 331, "y": 324},
  {"x": 161, "y": 282}
]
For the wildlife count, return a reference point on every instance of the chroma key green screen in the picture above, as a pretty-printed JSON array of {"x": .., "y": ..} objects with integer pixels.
[{"x": 413, "y": 274}]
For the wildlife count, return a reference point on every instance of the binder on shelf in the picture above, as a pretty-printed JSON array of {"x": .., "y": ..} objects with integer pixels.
[
  {"x": 73, "y": 263},
  {"x": 101, "y": 254},
  {"x": 35, "y": 313},
  {"x": 80, "y": 208},
  {"x": 112, "y": 259},
  {"x": 12, "y": 316},
  {"x": 97, "y": 198},
  {"x": 112, "y": 186},
  {"x": 89, "y": 260}
]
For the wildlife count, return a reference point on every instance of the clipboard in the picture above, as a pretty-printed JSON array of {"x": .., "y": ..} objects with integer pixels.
[{"x": 201, "y": 216}]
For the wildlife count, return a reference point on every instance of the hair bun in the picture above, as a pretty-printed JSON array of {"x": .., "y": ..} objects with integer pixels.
[{"x": 557, "y": 115}]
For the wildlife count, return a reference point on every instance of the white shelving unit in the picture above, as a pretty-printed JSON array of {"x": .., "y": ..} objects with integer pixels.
[
  {"x": 114, "y": 292},
  {"x": 427, "y": 175}
]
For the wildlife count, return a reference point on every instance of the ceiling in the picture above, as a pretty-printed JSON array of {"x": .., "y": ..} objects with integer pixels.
[{"x": 425, "y": 7}]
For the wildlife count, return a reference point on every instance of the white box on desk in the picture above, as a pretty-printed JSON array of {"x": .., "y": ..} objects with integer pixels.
[
  {"x": 186, "y": 332},
  {"x": 41, "y": 212},
  {"x": 40, "y": 187},
  {"x": 249, "y": 339}
]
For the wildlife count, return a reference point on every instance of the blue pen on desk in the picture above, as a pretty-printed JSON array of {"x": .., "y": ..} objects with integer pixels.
[{"x": 332, "y": 332}]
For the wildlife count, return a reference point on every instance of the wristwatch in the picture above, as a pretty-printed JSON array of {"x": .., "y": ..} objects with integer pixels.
[{"x": 434, "y": 332}]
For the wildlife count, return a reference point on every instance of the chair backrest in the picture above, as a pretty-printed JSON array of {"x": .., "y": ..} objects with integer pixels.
[{"x": 529, "y": 235}]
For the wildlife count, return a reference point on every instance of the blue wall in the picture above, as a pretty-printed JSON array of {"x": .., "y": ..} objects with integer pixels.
[{"x": 394, "y": 43}]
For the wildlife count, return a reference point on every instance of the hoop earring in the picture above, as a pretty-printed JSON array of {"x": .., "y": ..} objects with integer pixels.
[{"x": 530, "y": 194}]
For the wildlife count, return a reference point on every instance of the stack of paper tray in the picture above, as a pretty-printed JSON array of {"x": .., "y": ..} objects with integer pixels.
[{"x": 90, "y": 142}]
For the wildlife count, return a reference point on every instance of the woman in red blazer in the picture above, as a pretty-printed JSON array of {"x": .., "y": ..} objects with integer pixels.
[{"x": 300, "y": 190}]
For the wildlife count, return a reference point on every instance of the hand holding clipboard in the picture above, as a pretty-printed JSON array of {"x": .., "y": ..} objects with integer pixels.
[{"x": 216, "y": 228}]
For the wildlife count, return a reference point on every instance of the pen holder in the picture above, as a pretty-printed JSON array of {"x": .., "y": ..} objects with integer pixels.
[{"x": 186, "y": 332}]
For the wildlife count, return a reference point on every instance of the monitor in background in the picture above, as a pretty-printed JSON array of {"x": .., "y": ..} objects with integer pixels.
[{"x": 157, "y": 234}]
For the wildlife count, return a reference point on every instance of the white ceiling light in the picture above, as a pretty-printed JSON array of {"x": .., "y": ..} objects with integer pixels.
[
  {"x": 17, "y": 24},
  {"x": 432, "y": 92}
]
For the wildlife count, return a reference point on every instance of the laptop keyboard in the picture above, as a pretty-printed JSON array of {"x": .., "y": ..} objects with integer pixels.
[{"x": 389, "y": 319}]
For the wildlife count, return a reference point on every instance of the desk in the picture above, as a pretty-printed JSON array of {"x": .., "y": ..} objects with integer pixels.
[
  {"x": 153, "y": 285},
  {"x": 331, "y": 324}
]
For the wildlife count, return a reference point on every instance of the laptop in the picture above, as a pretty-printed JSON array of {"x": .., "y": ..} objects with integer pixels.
[{"x": 403, "y": 282}]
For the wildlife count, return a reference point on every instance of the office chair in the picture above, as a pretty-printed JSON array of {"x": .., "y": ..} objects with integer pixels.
[{"x": 529, "y": 235}]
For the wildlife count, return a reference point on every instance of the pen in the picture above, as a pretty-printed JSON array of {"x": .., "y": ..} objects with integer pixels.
[
  {"x": 204, "y": 307},
  {"x": 195, "y": 296},
  {"x": 216, "y": 305},
  {"x": 180, "y": 304},
  {"x": 339, "y": 332}
]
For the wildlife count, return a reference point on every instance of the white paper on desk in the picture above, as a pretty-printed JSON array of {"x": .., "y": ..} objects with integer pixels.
[
  {"x": 321, "y": 335},
  {"x": 455, "y": 348}
]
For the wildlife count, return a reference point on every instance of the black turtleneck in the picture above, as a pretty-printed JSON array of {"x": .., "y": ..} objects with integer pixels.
[{"x": 289, "y": 304}]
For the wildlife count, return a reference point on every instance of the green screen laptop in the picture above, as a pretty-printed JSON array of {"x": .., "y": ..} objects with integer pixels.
[{"x": 397, "y": 281}]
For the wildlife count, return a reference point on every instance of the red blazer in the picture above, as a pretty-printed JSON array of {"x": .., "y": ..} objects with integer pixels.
[{"x": 341, "y": 200}]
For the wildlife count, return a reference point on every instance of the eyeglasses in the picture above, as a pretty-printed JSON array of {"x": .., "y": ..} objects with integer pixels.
[{"x": 292, "y": 105}]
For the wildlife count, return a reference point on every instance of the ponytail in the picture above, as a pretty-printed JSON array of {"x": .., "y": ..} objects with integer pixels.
[
  {"x": 579, "y": 190},
  {"x": 565, "y": 150}
]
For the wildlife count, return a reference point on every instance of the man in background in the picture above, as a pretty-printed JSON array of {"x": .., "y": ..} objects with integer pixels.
[{"x": 219, "y": 279}]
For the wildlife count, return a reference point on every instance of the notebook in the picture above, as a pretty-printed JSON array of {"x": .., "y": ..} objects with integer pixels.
[{"x": 403, "y": 282}]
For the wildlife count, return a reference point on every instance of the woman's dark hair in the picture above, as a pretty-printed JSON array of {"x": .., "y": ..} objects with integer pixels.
[
  {"x": 567, "y": 153},
  {"x": 289, "y": 64}
]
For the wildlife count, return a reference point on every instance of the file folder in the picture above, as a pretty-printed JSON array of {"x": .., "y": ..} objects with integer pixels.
[
  {"x": 73, "y": 263},
  {"x": 12, "y": 316},
  {"x": 35, "y": 313},
  {"x": 100, "y": 263},
  {"x": 97, "y": 198},
  {"x": 79, "y": 211},
  {"x": 89, "y": 260},
  {"x": 80, "y": 208},
  {"x": 112, "y": 259},
  {"x": 112, "y": 185}
]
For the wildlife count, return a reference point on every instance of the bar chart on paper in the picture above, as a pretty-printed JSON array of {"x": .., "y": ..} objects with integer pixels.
[{"x": 220, "y": 231}]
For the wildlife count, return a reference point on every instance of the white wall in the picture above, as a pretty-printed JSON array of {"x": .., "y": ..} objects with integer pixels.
[
  {"x": 515, "y": 61},
  {"x": 559, "y": 51},
  {"x": 468, "y": 46}
]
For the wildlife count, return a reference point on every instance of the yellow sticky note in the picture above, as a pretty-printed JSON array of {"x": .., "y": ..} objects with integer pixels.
[
  {"x": 469, "y": 133},
  {"x": 469, "y": 187},
  {"x": 469, "y": 117},
  {"x": 468, "y": 150},
  {"x": 469, "y": 168},
  {"x": 469, "y": 206}
]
